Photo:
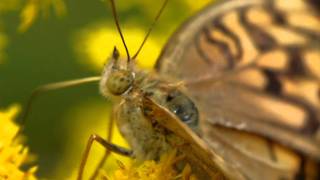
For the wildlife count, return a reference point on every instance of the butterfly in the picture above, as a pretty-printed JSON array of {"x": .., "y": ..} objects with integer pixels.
[
  {"x": 236, "y": 89},
  {"x": 238, "y": 83},
  {"x": 252, "y": 68}
]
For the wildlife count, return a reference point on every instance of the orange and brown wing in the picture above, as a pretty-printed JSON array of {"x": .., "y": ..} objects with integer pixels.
[
  {"x": 253, "y": 69},
  {"x": 232, "y": 161}
]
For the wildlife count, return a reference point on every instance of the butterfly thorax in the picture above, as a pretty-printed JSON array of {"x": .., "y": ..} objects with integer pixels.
[
  {"x": 153, "y": 138},
  {"x": 147, "y": 140}
]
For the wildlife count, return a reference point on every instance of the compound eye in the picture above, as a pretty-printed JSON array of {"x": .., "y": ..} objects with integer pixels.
[{"x": 119, "y": 81}]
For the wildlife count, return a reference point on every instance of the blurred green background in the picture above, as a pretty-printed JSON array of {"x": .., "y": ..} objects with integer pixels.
[{"x": 63, "y": 47}]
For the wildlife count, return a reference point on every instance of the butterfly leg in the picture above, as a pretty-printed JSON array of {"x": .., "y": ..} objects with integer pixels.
[
  {"x": 107, "y": 152},
  {"x": 109, "y": 146}
]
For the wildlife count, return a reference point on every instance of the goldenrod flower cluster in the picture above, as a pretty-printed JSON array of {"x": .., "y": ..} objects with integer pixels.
[
  {"x": 33, "y": 8},
  {"x": 12, "y": 153},
  {"x": 152, "y": 170}
]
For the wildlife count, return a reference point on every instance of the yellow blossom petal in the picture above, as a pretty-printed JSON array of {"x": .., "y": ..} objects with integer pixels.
[
  {"x": 32, "y": 9},
  {"x": 12, "y": 153},
  {"x": 28, "y": 15},
  {"x": 151, "y": 170},
  {"x": 95, "y": 44}
]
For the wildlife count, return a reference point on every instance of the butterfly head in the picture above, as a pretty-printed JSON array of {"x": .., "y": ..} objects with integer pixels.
[{"x": 117, "y": 77}]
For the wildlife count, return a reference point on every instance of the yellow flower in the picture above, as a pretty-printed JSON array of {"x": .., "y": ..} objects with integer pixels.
[
  {"x": 152, "y": 170},
  {"x": 32, "y": 9},
  {"x": 12, "y": 153},
  {"x": 95, "y": 44}
]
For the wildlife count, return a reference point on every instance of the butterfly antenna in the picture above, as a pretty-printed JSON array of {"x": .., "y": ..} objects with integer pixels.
[
  {"x": 116, "y": 20},
  {"x": 150, "y": 28}
]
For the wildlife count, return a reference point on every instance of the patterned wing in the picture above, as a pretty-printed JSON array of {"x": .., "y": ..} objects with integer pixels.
[{"x": 253, "y": 69}]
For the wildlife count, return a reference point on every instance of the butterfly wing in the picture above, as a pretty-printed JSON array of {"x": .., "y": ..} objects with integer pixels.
[
  {"x": 205, "y": 162},
  {"x": 195, "y": 149},
  {"x": 253, "y": 69}
]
